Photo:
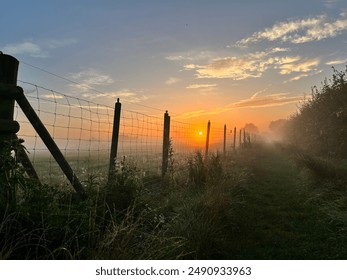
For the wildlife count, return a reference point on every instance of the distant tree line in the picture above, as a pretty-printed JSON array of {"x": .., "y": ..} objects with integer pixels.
[{"x": 320, "y": 125}]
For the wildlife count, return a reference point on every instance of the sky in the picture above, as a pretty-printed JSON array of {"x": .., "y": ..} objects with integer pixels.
[{"x": 235, "y": 62}]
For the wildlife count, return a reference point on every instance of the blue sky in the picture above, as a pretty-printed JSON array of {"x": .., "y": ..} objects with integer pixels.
[{"x": 244, "y": 61}]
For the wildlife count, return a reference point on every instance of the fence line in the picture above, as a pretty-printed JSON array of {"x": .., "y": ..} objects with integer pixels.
[{"x": 83, "y": 131}]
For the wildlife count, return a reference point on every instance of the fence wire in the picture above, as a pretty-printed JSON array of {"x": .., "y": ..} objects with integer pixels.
[{"x": 82, "y": 129}]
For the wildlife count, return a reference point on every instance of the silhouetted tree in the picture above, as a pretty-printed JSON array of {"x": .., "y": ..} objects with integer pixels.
[{"x": 252, "y": 128}]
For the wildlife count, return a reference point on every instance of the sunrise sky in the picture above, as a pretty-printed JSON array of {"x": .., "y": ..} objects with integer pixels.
[{"x": 235, "y": 61}]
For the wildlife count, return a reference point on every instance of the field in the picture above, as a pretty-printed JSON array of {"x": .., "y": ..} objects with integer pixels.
[{"x": 261, "y": 202}]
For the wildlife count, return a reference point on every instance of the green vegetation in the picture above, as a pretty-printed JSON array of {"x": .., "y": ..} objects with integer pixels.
[
  {"x": 320, "y": 125},
  {"x": 258, "y": 203}
]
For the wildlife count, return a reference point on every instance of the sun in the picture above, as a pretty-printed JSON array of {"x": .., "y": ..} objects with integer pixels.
[{"x": 200, "y": 133}]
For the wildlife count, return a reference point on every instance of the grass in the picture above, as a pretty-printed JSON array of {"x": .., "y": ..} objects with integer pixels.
[
  {"x": 258, "y": 203},
  {"x": 279, "y": 218}
]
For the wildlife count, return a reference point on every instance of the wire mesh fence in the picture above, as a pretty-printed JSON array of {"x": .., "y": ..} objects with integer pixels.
[{"x": 82, "y": 129}]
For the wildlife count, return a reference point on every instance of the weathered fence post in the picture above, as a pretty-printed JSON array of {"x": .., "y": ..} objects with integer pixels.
[
  {"x": 115, "y": 137},
  {"x": 207, "y": 138},
  {"x": 234, "y": 138},
  {"x": 8, "y": 76},
  {"x": 8, "y": 127},
  {"x": 8, "y": 81},
  {"x": 166, "y": 144},
  {"x": 240, "y": 143},
  {"x": 225, "y": 139}
]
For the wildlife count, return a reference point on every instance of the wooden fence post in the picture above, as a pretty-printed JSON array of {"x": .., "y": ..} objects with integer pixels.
[
  {"x": 115, "y": 138},
  {"x": 240, "y": 143},
  {"x": 8, "y": 81},
  {"x": 207, "y": 138},
  {"x": 234, "y": 138},
  {"x": 8, "y": 127},
  {"x": 166, "y": 144},
  {"x": 225, "y": 139}
]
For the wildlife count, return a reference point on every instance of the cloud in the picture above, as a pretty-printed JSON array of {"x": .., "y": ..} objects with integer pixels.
[
  {"x": 330, "y": 3},
  {"x": 251, "y": 65},
  {"x": 195, "y": 55},
  {"x": 172, "y": 81},
  {"x": 298, "y": 65},
  {"x": 27, "y": 48},
  {"x": 298, "y": 31},
  {"x": 201, "y": 86},
  {"x": 125, "y": 95},
  {"x": 304, "y": 75},
  {"x": 53, "y": 96},
  {"x": 55, "y": 43},
  {"x": 254, "y": 65},
  {"x": 90, "y": 77},
  {"x": 192, "y": 66},
  {"x": 336, "y": 62},
  {"x": 40, "y": 49},
  {"x": 254, "y": 101}
]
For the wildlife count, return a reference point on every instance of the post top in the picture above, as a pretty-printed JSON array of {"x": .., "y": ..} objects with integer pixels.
[
  {"x": 7, "y": 56},
  {"x": 8, "y": 69}
]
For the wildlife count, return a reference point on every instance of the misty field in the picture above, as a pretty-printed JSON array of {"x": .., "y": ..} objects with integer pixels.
[{"x": 262, "y": 202}]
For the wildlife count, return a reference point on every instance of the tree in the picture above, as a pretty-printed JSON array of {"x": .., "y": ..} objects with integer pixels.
[{"x": 251, "y": 127}]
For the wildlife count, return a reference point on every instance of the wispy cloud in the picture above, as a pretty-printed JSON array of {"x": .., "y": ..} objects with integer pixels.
[
  {"x": 87, "y": 78},
  {"x": 253, "y": 65},
  {"x": 330, "y": 3},
  {"x": 55, "y": 43},
  {"x": 195, "y": 55},
  {"x": 201, "y": 86},
  {"x": 27, "y": 48},
  {"x": 37, "y": 49},
  {"x": 237, "y": 68},
  {"x": 53, "y": 96},
  {"x": 298, "y": 65},
  {"x": 299, "y": 31},
  {"x": 126, "y": 95},
  {"x": 255, "y": 101},
  {"x": 304, "y": 75},
  {"x": 172, "y": 81},
  {"x": 336, "y": 62}
]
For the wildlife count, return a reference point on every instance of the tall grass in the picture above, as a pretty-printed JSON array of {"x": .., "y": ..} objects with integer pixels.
[
  {"x": 325, "y": 179},
  {"x": 129, "y": 217}
]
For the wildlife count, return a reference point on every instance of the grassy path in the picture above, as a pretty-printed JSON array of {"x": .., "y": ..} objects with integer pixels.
[{"x": 275, "y": 221}]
